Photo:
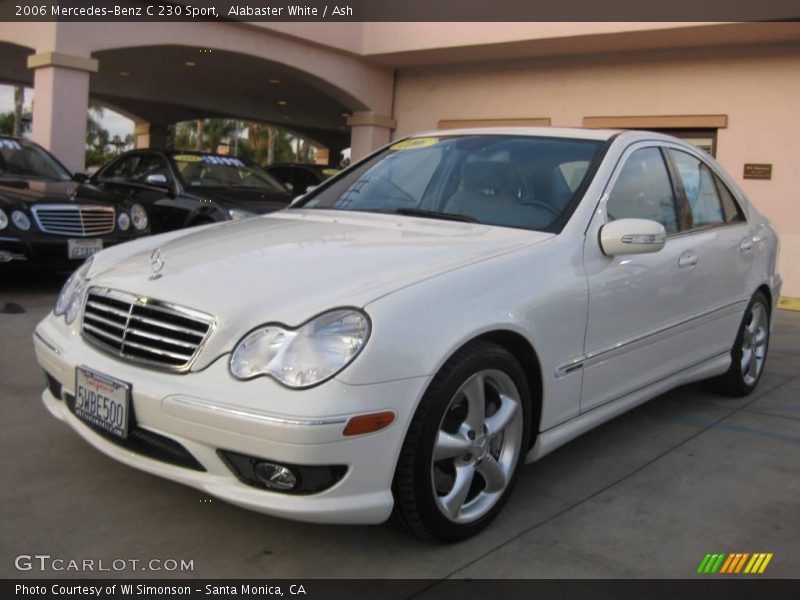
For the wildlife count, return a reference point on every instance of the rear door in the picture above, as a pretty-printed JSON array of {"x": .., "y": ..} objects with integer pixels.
[
  {"x": 641, "y": 306},
  {"x": 722, "y": 242}
]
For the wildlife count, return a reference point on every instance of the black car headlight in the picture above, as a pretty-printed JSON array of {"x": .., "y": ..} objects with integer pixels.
[
  {"x": 305, "y": 356},
  {"x": 139, "y": 217},
  {"x": 21, "y": 220},
  {"x": 70, "y": 299},
  {"x": 3, "y": 219},
  {"x": 123, "y": 221}
]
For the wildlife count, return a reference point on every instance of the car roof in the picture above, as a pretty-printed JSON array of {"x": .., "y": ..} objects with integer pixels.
[{"x": 552, "y": 132}]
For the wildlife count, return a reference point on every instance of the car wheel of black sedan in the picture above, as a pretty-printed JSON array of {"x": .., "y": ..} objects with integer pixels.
[{"x": 463, "y": 450}]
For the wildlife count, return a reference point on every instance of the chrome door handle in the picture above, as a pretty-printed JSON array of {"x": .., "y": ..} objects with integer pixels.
[
  {"x": 746, "y": 245},
  {"x": 688, "y": 259}
]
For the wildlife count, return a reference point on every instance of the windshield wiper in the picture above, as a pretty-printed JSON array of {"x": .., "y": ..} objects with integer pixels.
[{"x": 434, "y": 214}]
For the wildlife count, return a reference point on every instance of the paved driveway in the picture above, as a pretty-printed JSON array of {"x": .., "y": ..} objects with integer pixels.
[{"x": 646, "y": 495}]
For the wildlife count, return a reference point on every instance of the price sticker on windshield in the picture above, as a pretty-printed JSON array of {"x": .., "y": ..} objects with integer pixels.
[{"x": 414, "y": 143}]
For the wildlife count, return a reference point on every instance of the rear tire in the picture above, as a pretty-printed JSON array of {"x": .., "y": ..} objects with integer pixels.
[
  {"x": 475, "y": 419},
  {"x": 749, "y": 353}
]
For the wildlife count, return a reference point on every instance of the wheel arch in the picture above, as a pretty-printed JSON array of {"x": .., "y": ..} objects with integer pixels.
[
  {"x": 525, "y": 354},
  {"x": 764, "y": 289}
]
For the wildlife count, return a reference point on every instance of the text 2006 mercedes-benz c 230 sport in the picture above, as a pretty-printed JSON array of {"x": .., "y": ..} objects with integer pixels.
[{"x": 404, "y": 337}]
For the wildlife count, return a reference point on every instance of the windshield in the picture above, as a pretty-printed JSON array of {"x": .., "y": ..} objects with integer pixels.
[
  {"x": 511, "y": 181},
  {"x": 207, "y": 170},
  {"x": 20, "y": 159}
]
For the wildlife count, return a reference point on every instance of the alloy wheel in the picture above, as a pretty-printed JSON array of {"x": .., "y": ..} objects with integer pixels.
[{"x": 477, "y": 446}]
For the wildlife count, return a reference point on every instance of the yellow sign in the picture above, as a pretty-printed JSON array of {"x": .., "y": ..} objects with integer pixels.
[
  {"x": 187, "y": 158},
  {"x": 413, "y": 143}
]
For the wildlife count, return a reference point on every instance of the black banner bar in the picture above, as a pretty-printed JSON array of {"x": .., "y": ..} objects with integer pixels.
[
  {"x": 705, "y": 588},
  {"x": 399, "y": 10}
]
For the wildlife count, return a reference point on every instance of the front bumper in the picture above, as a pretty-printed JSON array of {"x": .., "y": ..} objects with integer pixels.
[
  {"x": 39, "y": 249},
  {"x": 209, "y": 410}
]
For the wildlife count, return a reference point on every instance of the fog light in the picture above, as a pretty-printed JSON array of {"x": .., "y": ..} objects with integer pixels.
[{"x": 276, "y": 477}]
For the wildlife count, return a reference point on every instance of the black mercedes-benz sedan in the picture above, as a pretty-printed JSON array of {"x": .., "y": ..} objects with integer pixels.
[
  {"x": 50, "y": 218},
  {"x": 183, "y": 189}
]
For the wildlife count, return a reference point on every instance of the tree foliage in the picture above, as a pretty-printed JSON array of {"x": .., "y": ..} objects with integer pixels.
[{"x": 263, "y": 144}]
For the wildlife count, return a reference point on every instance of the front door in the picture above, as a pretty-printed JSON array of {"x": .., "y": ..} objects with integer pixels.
[{"x": 640, "y": 305}]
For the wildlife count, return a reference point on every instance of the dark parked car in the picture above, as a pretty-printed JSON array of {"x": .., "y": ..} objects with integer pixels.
[
  {"x": 298, "y": 178},
  {"x": 183, "y": 189},
  {"x": 50, "y": 218}
]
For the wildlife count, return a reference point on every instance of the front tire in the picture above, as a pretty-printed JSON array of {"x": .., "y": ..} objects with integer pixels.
[
  {"x": 465, "y": 445},
  {"x": 749, "y": 353}
]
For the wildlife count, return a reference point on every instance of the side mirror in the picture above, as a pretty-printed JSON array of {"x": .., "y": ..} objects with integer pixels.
[
  {"x": 311, "y": 188},
  {"x": 632, "y": 236},
  {"x": 289, "y": 187},
  {"x": 80, "y": 177},
  {"x": 157, "y": 180}
]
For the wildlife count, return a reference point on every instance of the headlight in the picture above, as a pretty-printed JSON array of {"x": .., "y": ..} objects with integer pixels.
[
  {"x": 237, "y": 214},
  {"x": 124, "y": 221},
  {"x": 139, "y": 216},
  {"x": 21, "y": 220},
  {"x": 306, "y": 356},
  {"x": 3, "y": 219},
  {"x": 71, "y": 296}
]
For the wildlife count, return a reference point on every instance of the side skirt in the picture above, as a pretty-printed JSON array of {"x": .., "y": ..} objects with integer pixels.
[{"x": 551, "y": 439}]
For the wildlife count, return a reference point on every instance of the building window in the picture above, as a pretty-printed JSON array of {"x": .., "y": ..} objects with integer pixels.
[{"x": 705, "y": 139}]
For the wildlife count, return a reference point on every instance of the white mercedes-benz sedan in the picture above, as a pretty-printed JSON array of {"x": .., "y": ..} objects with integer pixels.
[{"x": 405, "y": 336}]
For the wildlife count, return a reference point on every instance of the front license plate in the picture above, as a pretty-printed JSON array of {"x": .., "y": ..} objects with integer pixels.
[
  {"x": 77, "y": 249},
  {"x": 102, "y": 401}
]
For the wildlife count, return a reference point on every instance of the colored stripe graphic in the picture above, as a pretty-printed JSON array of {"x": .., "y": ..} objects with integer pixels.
[
  {"x": 740, "y": 564},
  {"x": 727, "y": 564},
  {"x": 765, "y": 563},
  {"x": 703, "y": 563},
  {"x": 735, "y": 563},
  {"x": 718, "y": 563}
]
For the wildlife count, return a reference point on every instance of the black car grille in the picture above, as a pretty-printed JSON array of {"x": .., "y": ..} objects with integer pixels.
[
  {"x": 146, "y": 443},
  {"x": 144, "y": 330},
  {"x": 79, "y": 220}
]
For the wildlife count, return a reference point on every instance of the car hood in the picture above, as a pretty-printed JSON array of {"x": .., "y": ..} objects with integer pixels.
[
  {"x": 254, "y": 200},
  {"x": 290, "y": 266},
  {"x": 35, "y": 191}
]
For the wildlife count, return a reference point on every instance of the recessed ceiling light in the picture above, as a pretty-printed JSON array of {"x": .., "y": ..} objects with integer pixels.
[
  {"x": 124, "y": 73},
  {"x": 345, "y": 114},
  {"x": 282, "y": 103},
  {"x": 274, "y": 81},
  {"x": 190, "y": 63}
]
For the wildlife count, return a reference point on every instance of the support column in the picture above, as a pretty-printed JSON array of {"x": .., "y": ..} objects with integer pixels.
[
  {"x": 60, "y": 104},
  {"x": 368, "y": 133},
  {"x": 147, "y": 135}
]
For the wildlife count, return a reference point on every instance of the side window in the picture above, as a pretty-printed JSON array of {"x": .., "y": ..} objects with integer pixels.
[
  {"x": 121, "y": 170},
  {"x": 303, "y": 180},
  {"x": 150, "y": 164},
  {"x": 700, "y": 188},
  {"x": 733, "y": 213},
  {"x": 643, "y": 191}
]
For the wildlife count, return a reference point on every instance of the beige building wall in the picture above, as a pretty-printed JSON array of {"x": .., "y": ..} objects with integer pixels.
[{"x": 758, "y": 88}]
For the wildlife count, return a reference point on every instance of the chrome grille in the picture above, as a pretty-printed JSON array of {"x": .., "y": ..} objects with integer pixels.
[
  {"x": 144, "y": 330},
  {"x": 80, "y": 220}
]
